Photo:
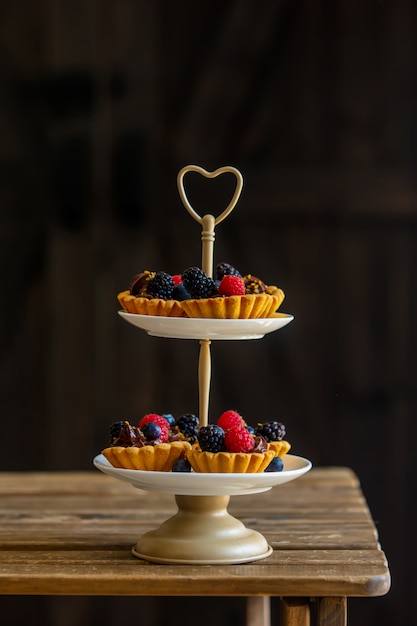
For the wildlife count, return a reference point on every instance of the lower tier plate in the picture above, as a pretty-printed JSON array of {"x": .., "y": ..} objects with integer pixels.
[{"x": 195, "y": 484}]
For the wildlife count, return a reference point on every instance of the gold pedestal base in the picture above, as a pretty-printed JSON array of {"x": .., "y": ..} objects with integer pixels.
[{"x": 202, "y": 532}]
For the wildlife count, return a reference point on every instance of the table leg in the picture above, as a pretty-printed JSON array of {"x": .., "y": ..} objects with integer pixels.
[
  {"x": 258, "y": 611},
  {"x": 295, "y": 612},
  {"x": 332, "y": 611}
]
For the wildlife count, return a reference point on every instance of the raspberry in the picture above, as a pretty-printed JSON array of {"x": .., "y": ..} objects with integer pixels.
[
  {"x": 161, "y": 286},
  {"x": 188, "y": 426},
  {"x": 210, "y": 438},
  {"x": 271, "y": 431},
  {"x": 230, "y": 418},
  {"x": 225, "y": 269},
  {"x": 231, "y": 286},
  {"x": 158, "y": 419},
  {"x": 198, "y": 283},
  {"x": 177, "y": 278},
  {"x": 238, "y": 439}
]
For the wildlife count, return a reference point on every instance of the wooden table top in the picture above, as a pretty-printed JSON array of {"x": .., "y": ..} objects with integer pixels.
[{"x": 71, "y": 533}]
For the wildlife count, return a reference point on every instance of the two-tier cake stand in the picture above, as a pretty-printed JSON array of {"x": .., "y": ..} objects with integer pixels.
[{"x": 203, "y": 531}]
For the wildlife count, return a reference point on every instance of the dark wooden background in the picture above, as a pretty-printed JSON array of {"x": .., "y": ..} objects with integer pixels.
[{"x": 315, "y": 102}]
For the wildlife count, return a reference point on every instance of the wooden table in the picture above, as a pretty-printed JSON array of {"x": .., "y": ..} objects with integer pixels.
[{"x": 71, "y": 534}]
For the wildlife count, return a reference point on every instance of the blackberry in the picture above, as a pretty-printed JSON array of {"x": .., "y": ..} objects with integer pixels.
[
  {"x": 225, "y": 269},
  {"x": 198, "y": 283},
  {"x": 123, "y": 434},
  {"x": 211, "y": 438},
  {"x": 115, "y": 429},
  {"x": 276, "y": 465},
  {"x": 188, "y": 426},
  {"x": 271, "y": 431},
  {"x": 161, "y": 286}
]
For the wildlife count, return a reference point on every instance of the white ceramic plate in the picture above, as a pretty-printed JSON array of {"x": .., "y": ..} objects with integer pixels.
[
  {"x": 194, "y": 484},
  {"x": 199, "y": 328}
]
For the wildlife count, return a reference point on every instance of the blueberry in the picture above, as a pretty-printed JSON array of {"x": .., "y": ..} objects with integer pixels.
[
  {"x": 169, "y": 418},
  {"x": 250, "y": 429},
  {"x": 181, "y": 465},
  {"x": 151, "y": 431},
  {"x": 276, "y": 465},
  {"x": 180, "y": 293}
]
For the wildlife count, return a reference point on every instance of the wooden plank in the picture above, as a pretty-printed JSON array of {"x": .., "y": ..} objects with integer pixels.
[
  {"x": 98, "y": 530},
  {"x": 295, "y": 612},
  {"x": 116, "y": 572},
  {"x": 331, "y": 611}
]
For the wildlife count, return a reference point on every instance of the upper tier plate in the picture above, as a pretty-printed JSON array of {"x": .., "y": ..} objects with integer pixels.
[
  {"x": 194, "y": 484},
  {"x": 201, "y": 328}
]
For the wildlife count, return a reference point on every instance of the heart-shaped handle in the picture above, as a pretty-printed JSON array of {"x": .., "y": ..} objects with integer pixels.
[{"x": 221, "y": 170}]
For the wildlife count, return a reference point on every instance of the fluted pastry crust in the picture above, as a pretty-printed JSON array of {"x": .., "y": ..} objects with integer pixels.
[
  {"x": 152, "y": 306},
  {"x": 250, "y": 306},
  {"x": 280, "y": 448},
  {"x": 159, "y": 458},
  {"x": 229, "y": 462}
]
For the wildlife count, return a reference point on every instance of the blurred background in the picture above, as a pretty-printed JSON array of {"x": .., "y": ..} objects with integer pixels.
[{"x": 101, "y": 104}]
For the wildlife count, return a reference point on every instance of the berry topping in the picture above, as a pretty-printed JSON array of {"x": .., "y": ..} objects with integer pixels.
[
  {"x": 181, "y": 465},
  {"x": 271, "y": 431},
  {"x": 160, "y": 421},
  {"x": 169, "y": 418},
  {"x": 238, "y": 439},
  {"x": 128, "y": 435},
  {"x": 180, "y": 293},
  {"x": 210, "y": 438},
  {"x": 161, "y": 286},
  {"x": 229, "y": 419},
  {"x": 115, "y": 429},
  {"x": 188, "y": 426},
  {"x": 231, "y": 286},
  {"x": 276, "y": 465},
  {"x": 198, "y": 283},
  {"x": 225, "y": 269},
  {"x": 177, "y": 278},
  {"x": 152, "y": 431}
]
